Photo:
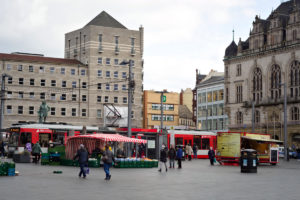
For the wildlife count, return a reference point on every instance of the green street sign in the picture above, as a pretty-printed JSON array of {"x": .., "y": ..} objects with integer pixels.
[{"x": 164, "y": 98}]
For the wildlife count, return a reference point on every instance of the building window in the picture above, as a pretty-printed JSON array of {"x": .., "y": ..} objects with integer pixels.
[
  {"x": 107, "y": 74},
  {"x": 257, "y": 84},
  {"x": 239, "y": 94},
  {"x": 107, "y": 61},
  {"x": 63, "y": 97},
  {"x": 99, "y": 99},
  {"x": 99, "y": 73},
  {"x": 62, "y": 71},
  {"x": 73, "y": 97},
  {"x": 116, "y": 61},
  {"x": 116, "y": 43},
  {"x": 73, "y": 72},
  {"x": 53, "y": 83},
  {"x": 64, "y": 84},
  {"x": 100, "y": 42},
  {"x": 63, "y": 111},
  {"x": 124, "y": 75},
  {"x": 295, "y": 79},
  {"x": 99, "y": 113},
  {"x": 73, "y": 84},
  {"x": 275, "y": 82},
  {"x": 52, "y": 70},
  {"x": 30, "y": 68},
  {"x": 42, "y": 69},
  {"x": 100, "y": 61},
  {"x": 52, "y": 111},
  {"x": 116, "y": 87},
  {"x": 20, "y": 110},
  {"x": 226, "y": 71},
  {"x": 53, "y": 96},
  {"x": 84, "y": 85},
  {"x": 123, "y": 87},
  {"x": 116, "y": 74},
  {"x": 106, "y": 99},
  {"x": 20, "y": 68},
  {"x": 132, "y": 115},
  {"x": 43, "y": 82},
  {"x": 21, "y": 95},
  {"x": 31, "y": 110},
  {"x": 21, "y": 81},
  {"x": 9, "y": 94},
  {"x": 74, "y": 112},
  {"x": 8, "y": 67},
  {"x": 31, "y": 95},
  {"x": 83, "y": 72},
  {"x": 107, "y": 86},
  {"x": 294, "y": 34},
  {"x": 83, "y": 112},
  {"x": 239, "y": 70},
  {"x": 9, "y": 109},
  {"x": 9, "y": 80},
  {"x": 42, "y": 95},
  {"x": 83, "y": 98},
  {"x": 124, "y": 99},
  {"x": 239, "y": 117},
  {"x": 295, "y": 113},
  {"x": 257, "y": 116},
  {"x": 115, "y": 99},
  {"x": 99, "y": 86}
]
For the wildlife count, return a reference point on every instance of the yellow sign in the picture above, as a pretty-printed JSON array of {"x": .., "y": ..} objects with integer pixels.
[
  {"x": 258, "y": 136},
  {"x": 229, "y": 144}
]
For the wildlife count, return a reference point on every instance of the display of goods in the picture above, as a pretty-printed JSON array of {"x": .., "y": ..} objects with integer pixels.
[
  {"x": 7, "y": 169},
  {"x": 135, "y": 163},
  {"x": 57, "y": 149},
  {"x": 54, "y": 163}
]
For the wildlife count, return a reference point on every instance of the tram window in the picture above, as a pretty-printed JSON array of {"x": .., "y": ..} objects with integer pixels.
[
  {"x": 197, "y": 141},
  {"x": 44, "y": 139},
  {"x": 205, "y": 143},
  {"x": 24, "y": 138},
  {"x": 59, "y": 138},
  {"x": 14, "y": 139},
  {"x": 178, "y": 141}
]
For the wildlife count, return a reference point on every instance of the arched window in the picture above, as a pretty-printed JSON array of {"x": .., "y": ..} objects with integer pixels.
[
  {"x": 295, "y": 79},
  {"x": 294, "y": 34},
  {"x": 257, "y": 116},
  {"x": 275, "y": 82},
  {"x": 295, "y": 113},
  {"x": 239, "y": 117},
  {"x": 257, "y": 84}
]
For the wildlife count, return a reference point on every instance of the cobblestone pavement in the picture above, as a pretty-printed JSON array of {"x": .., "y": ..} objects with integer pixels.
[{"x": 196, "y": 180}]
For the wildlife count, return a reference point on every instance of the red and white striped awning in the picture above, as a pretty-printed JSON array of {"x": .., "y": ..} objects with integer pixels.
[{"x": 111, "y": 138}]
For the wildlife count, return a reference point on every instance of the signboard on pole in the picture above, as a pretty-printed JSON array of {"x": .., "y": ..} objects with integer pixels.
[{"x": 164, "y": 98}]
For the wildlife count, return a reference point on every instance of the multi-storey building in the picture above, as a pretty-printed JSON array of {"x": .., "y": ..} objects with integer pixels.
[
  {"x": 152, "y": 109},
  {"x": 256, "y": 69},
  {"x": 210, "y": 103},
  {"x": 78, "y": 87}
]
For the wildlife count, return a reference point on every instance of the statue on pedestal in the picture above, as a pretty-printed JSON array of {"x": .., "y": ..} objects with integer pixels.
[{"x": 43, "y": 112}]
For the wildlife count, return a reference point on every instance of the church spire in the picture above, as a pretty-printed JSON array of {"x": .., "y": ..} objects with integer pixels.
[{"x": 232, "y": 34}]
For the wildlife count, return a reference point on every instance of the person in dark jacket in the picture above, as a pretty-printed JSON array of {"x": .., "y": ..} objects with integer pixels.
[
  {"x": 163, "y": 158},
  {"x": 179, "y": 155},
  {"x": 108, "y": 158},
  {"x": 2, "y": 150},
  {"x": 172, "y": 156},
  {"x": 83, "y": 157},
  {"x": 211, "y": 155},
  {"x": 36, "y": 152}
]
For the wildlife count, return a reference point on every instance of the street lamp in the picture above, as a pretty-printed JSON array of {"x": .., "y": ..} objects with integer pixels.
[
  {"x": 130, "y": 91},
  {"x": 158, "y": 136},
  {"x": 2, "y": 101}
]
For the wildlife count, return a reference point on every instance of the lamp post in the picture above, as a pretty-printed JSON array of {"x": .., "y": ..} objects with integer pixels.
[
  {"x": 286, "y": 156},
  {"x": 2, "y": 101},
  {"x": 130, "y": 91},
  {"x": 159, "y": 135}
]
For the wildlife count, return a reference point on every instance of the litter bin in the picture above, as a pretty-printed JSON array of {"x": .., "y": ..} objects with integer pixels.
[{"x": 248, "y": 161}]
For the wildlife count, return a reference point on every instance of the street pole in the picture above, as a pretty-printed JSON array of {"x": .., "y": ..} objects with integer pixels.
[
  {"x": 2, "y": 102},
  {"x": 130, "y": 85},
  {"x": 285, "y": 125},
  {"x": 161, "y": 121},
  {"x": 253, "y": 117}
]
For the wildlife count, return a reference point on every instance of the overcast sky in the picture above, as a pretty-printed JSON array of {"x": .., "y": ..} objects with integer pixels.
[{"x": 180, "y": 35}]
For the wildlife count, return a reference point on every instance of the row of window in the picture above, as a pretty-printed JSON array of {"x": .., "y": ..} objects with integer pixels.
[
  {"x": 108, "y": 61},
  {"x": 211, "y": 110},
  {"x": 213, "y": 124},
  {"x": 211, "y": 96},
  {"x": 294, "y": 116},
  {"x": 165, "y": 117},
  {"x": 169, "y": 107},
  {"x": 42, "y": 69}
]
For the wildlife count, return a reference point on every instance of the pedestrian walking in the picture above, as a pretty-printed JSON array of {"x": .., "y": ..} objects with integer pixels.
[
  {"x": 211, "y": 155},
  {"x": 108, "y": 158},
  {"x": 2, "y": 150},
  {"x": 163, "y": 158},
  {"x": 28, "y": 147},
  {"x": 195, "y": 149},
  {"x": 83, "y": 157},
  {"x": 186, "y": 151},
  {"x": 172, "y": 156},
  {"x": 36, "y": 152},
  {"x": 179, "y": 155},
  {"x": 190, "y": 152}
]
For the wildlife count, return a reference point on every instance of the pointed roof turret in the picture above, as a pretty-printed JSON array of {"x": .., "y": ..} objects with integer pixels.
[{"x": 104, "y": 19}]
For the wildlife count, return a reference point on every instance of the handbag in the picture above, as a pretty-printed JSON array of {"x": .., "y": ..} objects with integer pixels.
[{"x": 104, "y": 158}]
